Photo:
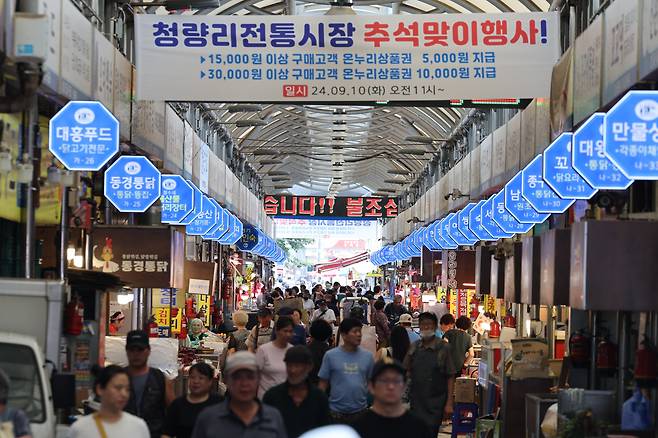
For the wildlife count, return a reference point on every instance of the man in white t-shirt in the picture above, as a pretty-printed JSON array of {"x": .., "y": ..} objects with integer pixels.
[{"x": 324, "y": 312}]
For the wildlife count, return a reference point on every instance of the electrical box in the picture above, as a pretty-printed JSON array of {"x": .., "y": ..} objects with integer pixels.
[{"x": 30, "y": 42}]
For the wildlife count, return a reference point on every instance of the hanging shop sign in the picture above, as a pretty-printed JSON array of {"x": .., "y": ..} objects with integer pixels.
[
  {"x": 234, "y": 233},
  {"x": 139, "y": 256},
  {"x": 428, "y": 241},
  {"x": 177, "y": 199},
  {"x": 457, "y": 236},
  {"x": 539, "y": 194},
  {"x": 132, "y": 184},
  {"x": 197, "y": 205},
  {"x": 318, "y": 206},
  {"x": 475, "y": 223},
  {"x": 518, "y": 206},
  {"x": 463, "y": 221},
  {"x": 559, "y": 173},
  {"x": 505, "y": 220},
  {"x": 488, "y": 222},
  {"x": 630, "y": 135},
  {"x": 336, "y": 58},
  {"x": 221, "y": 227},
  {"x": 443, "y": 236},
  {"x": 84, "y": 135},
  {"x": 205, "y": 221},
  {"x": 249, "y": 238},
  {"x": 589, "y": 159}
]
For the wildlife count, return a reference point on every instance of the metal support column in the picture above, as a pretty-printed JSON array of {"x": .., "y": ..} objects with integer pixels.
[
  {"x": 623, "y": 361},
  {"x": 29, "y": 143},
  {"x": 592, "y": 349},
  {"x": 64, "y": 233}
]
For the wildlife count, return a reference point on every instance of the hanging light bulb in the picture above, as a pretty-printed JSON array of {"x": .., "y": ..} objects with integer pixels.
[{"x": 70, "y": 253}]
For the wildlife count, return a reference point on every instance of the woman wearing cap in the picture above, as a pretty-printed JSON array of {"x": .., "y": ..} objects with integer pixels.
[
  {"x": 116, "y": 322},
  {"x": 113, "y": 387},
  {"x": 270, "y": 356}
]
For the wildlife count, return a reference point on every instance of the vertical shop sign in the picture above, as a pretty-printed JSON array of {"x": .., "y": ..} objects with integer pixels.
[
  {"x": 122, "y": 99},
  {"x": 498, "y": 155},
  {"x": 204, "y": 162},
  {"x": 203, "y": 307},
  {"x": 486, "y": 162},
  {"x": 149, "y": 127},
  {"x": 132, "y": 184},
  {"x": 558, "y": 171},
  {"x": 103, "y": 77},
  {"x": 528, "y": 121}
]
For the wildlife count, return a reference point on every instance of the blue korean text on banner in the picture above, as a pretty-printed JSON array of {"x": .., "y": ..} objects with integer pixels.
[
  {"x": 475, "y": 223},
  {"x": 221, "y": 219},
  {"x": 132, "y": 184},
  {"x": 84, "y": 136},
  {"x": 389, "y": 255},
  {"x": 249, "y": 238},
  {"x": 236, "y": 232},
  {"x": 505, "y": 220},
  {"x": 518, "y": 206},
  {"x": 231, "y": 225},
  {"x": 418, "y": 238},
  {"x": 198, "y": 195},
  {"x": 437, "y": 235},
  {"x": 589, "y": 159},
  {"x": 205, "y": 221},
  {"x": 444, "y": 232},
  {"x": 411, "y": 244},
  {"x": 539, "y": 194},
  {"x": 177, "y": 199},
  {"x": 489, "y": 223},
  {"x": 463, "y": 221},
  {"x": 457, "y": 236},
  {"x": 428, "y": 239},
  {"x": 397, "y": 252},
  {"x": 559, "y": 173},
  {"x": 260, "y": 244},
  {"x": 630, "y": 135}
]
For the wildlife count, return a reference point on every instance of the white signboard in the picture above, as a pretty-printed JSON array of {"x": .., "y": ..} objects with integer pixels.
[
  {"x": 188, "y": 150},
  {"x": 528, "y": 120},
  {"x": 499, "y": 145},
  {"x": 198, "y": 286},
  {"x": 346, "y": 57},
  {"x": 620, "y": 62},
  {"x": 148, "y": 126},
  {"x": 485, "y": 162},
  {"x": 121, "y": 102},
  {"x": 475, "y": 171},
  {"x": 588, "y": 59},
  {"x": 53, "y": 10},
  {"x": 76, "y": 48},
  {"x": 466, "y": 174},
  {"x": 204, "y": 163},
  {"x": 103, "y": 78},
  {"x": 649, "y": 60},
  {"x": 174, "y": 140},
  {"x": 512, "y": 150}
]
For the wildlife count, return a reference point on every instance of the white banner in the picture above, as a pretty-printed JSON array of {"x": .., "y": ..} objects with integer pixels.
[{"x": 345, "y": 58}]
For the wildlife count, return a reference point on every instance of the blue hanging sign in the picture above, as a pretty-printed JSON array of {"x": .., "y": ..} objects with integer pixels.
[
  {"x": 231, "y": 226},
  {"x": 475, "y": 223},
  {"x": 630, "y": 135},
  {"x": 589, "y": 159},
  {"x": 505, "y": 220},
  {"x": 205, "y": 221},
  {"x": 389, "y": 254},
  {"x": 414, "y": 250},
  {"x": 132, "y": 184},
  {"x": 444, "y": 232},
  {"x": 489, "y": 223},
  {"x": 453, "y": 228},
  {"x": 438, "y": 236},
  {"x": 539, "y": 194},
  {"x": 418, "y": 238},
  {"x": 428, "y": 239},
  {"x": 221, "y": 223},
  {"x": 559, "y": 173},
  {"x": 518, "y": 206},
  {"x": 177, "y": 199},
  {"x": 84, "y": 136},
  {"x": 249, "y": 238},
  {"x": 464, "y": 220},
  {"x": 197, "y": 194},
  {"x": 237, "y": 234}
]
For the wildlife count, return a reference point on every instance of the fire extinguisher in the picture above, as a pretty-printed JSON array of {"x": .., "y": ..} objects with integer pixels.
[
  {"x": 645, "y": 364},
  {"x": 74, "y": 316},
  {"x": 494, "y": 331},
  {"x": 579, "y": 348},
  {"x": 509, "y": 321},
  {"x": 183, "y": 328},
  {"x": 606, "y": 356},
  {"x": 153, "y": 327},
  {"x": 189, "y": 308}
]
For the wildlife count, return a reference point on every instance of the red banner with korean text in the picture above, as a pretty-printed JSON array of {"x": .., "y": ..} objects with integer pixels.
[{"x": 340, "y": 207}]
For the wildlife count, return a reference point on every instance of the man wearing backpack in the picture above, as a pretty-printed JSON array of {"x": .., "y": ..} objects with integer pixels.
[
  {"x": 431, "y": 371},
  {"x": 150, "y": 392}
]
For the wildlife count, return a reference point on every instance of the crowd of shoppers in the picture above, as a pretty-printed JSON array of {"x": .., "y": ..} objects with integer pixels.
[{"x": 285, "y": 377}]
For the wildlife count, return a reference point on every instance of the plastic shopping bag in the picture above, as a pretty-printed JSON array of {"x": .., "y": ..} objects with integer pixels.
[{"x": 635, "y": 413}]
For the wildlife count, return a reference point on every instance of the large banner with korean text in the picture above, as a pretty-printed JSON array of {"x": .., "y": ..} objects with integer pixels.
[
  {"x": 339, "y": 207},
  {"x": 345, "y": 58}
]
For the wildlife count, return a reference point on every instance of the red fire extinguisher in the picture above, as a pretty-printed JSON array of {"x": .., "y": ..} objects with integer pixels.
[
  {"x": 74, "y": 316},
  {"x": 645, "y": 364},
  {"x": 509, "y": 321},
  {"x": 183, "y": 328},
  {"x": 153, "y": 327},
  {"x": 606, "y": 356},
  {"x": 494, "y": 332},
  {"x": 189, "y": 308},
  {"x": 579, "y": 348}
]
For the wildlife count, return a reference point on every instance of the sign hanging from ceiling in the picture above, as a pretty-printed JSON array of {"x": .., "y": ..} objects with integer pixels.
[
  {"x": 345, "y": 58},
  {"x": 339, "y": 207}
]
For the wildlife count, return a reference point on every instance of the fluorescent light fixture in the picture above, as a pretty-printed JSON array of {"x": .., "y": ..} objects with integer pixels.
[
  {"x": 395, "y": 181},
  {"x": 278, "y": 173},
  {"x": 386, "y": 190},
  {"x": 412, "y": 151},
  {"x": 420, "y": 139},
  {"x": 270, "y": 162},
  {"x": 398, "y": 172},
  {"x": 247, "y": 123},
  {"x": 268, "y": 152},
  {"x": 244, "y": 108}
]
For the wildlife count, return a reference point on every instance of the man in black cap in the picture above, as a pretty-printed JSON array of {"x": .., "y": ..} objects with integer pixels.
[
  {"x": 302, "y": 405},
  {"x": 150, "y": 392},
  {"x": 388, "y": 417}
]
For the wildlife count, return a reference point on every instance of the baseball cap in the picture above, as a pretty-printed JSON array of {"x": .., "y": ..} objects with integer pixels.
[
  {"x": 298, "y": 354},
  {"x": 384, "y": 364},
  {"x": 241, "y": 360},
  {"x": 137, "y": 338},
  {"x": 405, "y": 318}
]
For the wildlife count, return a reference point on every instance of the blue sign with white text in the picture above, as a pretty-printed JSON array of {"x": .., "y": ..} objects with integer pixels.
[
  {"x": 464, "y": 220},
  {"x": 630, "y": 134},
  {"x": 249, "y": 238},
  {"x": 589, "y": 157},
  {"x": 442, "y": 235},
  {"x": 177, "y": 199},
  {"x": 539, "y": 194},
  {"x": 218, "y": 230},
  {"x": 504, "y": 218},
  {"x": 453, "y": 225},
  {"x": 518, "y": 206},
  {"x": 231, "y": 225},
  {"x": 132, "y": 184},
  {"x": 205, "y": 221},
  {"x": 475, "y": 223},
  {"x": 197, "y": 205},
  {"x": 559, "y": 173},
  {"x": 84, "y": 136},
  {"x": 428, "y": 239},
  {"x": 489, "y": 223}
]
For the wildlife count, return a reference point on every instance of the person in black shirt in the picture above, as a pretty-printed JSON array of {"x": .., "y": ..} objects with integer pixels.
[
  {"x": 320, "y": 332},
  {"x": 302, "y": 405},
  {"x": 388, "y": 417},
  {"x": 183, "y": 411}
]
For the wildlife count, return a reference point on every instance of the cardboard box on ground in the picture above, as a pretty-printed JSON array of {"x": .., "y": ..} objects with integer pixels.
[{"x": 465, "y": 390}]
